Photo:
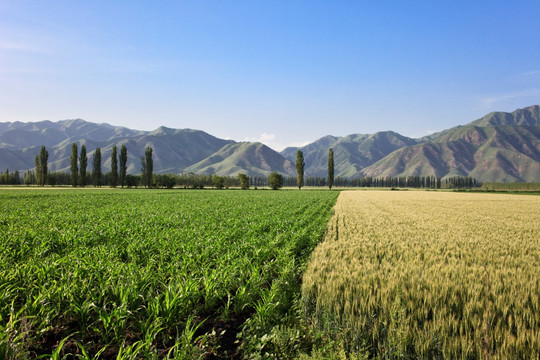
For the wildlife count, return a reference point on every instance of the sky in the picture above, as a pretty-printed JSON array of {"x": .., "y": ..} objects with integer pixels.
[{"x": 281, "y": 72}]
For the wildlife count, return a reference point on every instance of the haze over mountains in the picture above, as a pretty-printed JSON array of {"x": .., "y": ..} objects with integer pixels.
[{"x": 497, "y": 147}]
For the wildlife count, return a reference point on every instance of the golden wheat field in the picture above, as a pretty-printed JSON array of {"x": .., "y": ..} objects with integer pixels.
[{"x": 430, "y": 275}]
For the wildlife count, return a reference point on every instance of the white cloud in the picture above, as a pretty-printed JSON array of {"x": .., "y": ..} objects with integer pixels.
[
  {"x": 299, "y": 144},
  {"x": 271, "y": 141}
]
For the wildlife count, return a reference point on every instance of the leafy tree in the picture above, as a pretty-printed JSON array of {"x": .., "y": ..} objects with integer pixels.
[
  {"x": 131, "y": 180},
  {"x": 330, "y": 168},
  {"x": 147, "y": 168},
  {"x": 165, "y": 180},
  {"x": 83, "y": 163},
  {"x": 300, "y": 163},
  {"x": 41, "y": 166},
  {"x": 275, "y": 180},
  {"x": 218, "y": 181},
  {"x": 244, "y": 181},
  {"x": 29, "y": 177},
  {"x": 123, "y": 164},
  {"x": 74, "y": 169},
  {"x": 52, "y": 179},
  {"x": 114, "y": 167},
  {"x": 143, "y": 171},
  {"x": 96, "y": 173},
  {"x": 38, "y": 171}
]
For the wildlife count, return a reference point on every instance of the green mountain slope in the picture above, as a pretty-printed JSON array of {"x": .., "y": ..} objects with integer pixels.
[
  {"x": 497, "y": 147},
  {"x": 529, "y": 116},
  {"x": 351, "y": 153},
  {"x": 255, "y": 159},
  {"x": 491, "y": 153},
  {"x": 174, "y": 149}
]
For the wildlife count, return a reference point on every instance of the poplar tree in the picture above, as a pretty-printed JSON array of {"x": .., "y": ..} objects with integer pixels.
[
  {"x": 83, "y": 163},
  {"x": 114, "y": 167},
  {"x": 330, "y": 168},
  {"x": 74, "y": 169},
  {"x": 38, "y": 172},
  {"x": 300, "y": 169},
  {"x": 147, "y": 167},
  {"x": 123, "y": 164},
  {"x": 96, "y": 173},
  {"x": 43, "y": 166}
]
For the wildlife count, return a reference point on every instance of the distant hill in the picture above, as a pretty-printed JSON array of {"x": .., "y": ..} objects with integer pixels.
[
  {"x": 529, "y": 116},
  {"x": 497, "y": 147},
  {"x": 255, "y": 159},
  {"x": 351, "y": 153},
  {"x": 502, "y": 147},
  {"x": 174, "y": 149}
]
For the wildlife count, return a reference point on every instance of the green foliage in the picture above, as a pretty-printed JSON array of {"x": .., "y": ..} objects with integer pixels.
[
  {"x": 123, "y": 165},
  {"x": 74, "y": 168},
  {"x": 114, "y": 167},
  {"x": 330, "y": 168},
  {"x": 147, "y": 168},
  {"x": 83, "y": 163},
  {"x": 300, "y": 164},
  {"x": 41, "y": 162},
  {"x": 491, "y": 186},
  {"x": 244, "y": 181},
  {"x": 275, "y": 181},
  {"x": 96, "y": 172},
  {"x": 160, "y": 274},
  {"x": 218, "y": 181}
]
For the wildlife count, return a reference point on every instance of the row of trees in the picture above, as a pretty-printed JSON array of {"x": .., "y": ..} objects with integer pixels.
[
  {"x": 78, "y": 175},
  {"x": 300, "y": 164},
  {"x": 79, "y": 163}
]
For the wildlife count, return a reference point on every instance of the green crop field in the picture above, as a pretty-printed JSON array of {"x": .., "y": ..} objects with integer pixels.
[{"x": 151, "y": 274}]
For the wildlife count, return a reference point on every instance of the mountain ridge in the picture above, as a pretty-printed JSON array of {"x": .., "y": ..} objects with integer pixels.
[{"x": 499, "y": 146}]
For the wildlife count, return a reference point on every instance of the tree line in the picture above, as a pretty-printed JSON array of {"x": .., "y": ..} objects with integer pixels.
[{"x": 79, "y": 175}]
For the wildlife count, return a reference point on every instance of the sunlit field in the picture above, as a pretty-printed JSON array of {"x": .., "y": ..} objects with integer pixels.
[
  {"x": 417, "y": 274},
  {"x": 151, "y": 274}
]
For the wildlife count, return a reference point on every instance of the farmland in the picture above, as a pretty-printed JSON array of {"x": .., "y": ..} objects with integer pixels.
[
  {"x": 151, "y": 274},
  {"x": 409, "y": 274}
]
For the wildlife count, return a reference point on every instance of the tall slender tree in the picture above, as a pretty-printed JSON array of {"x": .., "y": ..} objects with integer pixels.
[
  {"x": 43, "y": 164},
  {"x": 143, "y": 171},
  {"x": 300, "y": 163},
  {"x": 330, "y": 168},
  {"x": 38, "y": 171},
  {"x": 83, "y": 163},
  {"x": 96, "y": 173},
  {"x": 114, "y": 167},
  {"x": 74, "y": 168},
  {"x": 148, "y": 165},
  {"x": 123, "y": 164}
]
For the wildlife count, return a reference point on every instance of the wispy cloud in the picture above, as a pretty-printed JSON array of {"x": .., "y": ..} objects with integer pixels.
[
  {"x": 531, "y": 73},
  {"x": 299, "y": 144},
  {"x": 491, "y": 101},
  {"x": 266, "y": 138}
]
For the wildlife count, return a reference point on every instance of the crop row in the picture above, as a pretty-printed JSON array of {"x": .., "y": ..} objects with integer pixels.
[
  {"x": 414, "y": 274},
  {"x": 150, "y": 273}
]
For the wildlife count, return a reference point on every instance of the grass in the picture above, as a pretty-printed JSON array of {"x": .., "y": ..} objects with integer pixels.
[{"x": 152, "y": 274}]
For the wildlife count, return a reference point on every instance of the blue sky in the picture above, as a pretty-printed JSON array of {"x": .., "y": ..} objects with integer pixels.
[{"x": 281, "y": 72}]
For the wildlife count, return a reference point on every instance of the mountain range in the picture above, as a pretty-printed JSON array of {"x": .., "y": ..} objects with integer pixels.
[{"x": 500, "y": 146}]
